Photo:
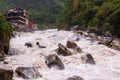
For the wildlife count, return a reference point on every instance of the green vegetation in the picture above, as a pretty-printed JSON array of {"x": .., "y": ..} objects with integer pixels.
[
  {"x": 5, "y": 34},
  {"x": 42, "y": 12},
  {"x": 101, "y": 14}
]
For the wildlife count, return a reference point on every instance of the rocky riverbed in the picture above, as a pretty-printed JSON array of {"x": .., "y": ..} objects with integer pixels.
[{"x": 107, "y": 60}]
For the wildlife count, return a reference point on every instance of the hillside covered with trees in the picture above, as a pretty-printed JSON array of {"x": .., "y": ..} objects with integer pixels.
[
  {"x": 101, "y": 14},
  {"x": 40, "y": 11}
]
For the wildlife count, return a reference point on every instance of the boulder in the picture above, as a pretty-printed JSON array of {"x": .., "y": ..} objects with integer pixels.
[
  {"x": 28, "y": 44},
  {"x": 71, "y": 44},
  {"x": 106, "y": 42},
  {"x": 93, "y": 36},
  {"x": 75, "y": 78},
  {"x": 62, "y": 50},
  {"x": 74, "y": 46},
  {"x": 90, "y": 59},
  {"x": 116, "y": 44},
  {"x": 54, "y": 60},
  {"x": 28, "y": 72},
  {"x": 6, "y": 74},
  {"x": 40, "y": 46},
  {"x": 78, "y": 49}
]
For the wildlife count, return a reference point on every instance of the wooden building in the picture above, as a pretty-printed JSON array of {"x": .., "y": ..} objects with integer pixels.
[{"x": 17, "y": 18}]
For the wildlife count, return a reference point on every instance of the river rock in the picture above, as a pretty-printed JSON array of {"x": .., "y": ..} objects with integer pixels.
[
  {"x": 28, "y": 44},
  {"x": 71, "y": 44},
  {"x": 6, "y": 74},
  {"x": 62, "y": 50},
  {"x": 75, "y": 78},
  {"x": 116, "y": 44},
  {"x": 74, "y": 46},
  {"x": 106, "y": 42},
  {"x": 28, "y": 72},
  {"x": 90, "y": 59},
  {"x": 54, "y": 60},
  {"x": 40, "y": 46}
]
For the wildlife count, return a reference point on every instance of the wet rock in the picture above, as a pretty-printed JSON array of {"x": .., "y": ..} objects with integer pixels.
[
  {"x": 74, "y": 46},
  {"x": 78, "y": 49},
  {"x": 93, "y": 36},
  {"x": 90, "y": 59},
  {"x": 62, "y": 50},
  {"x": 28, "y": 44},
  {"x": 116, "y": 44},
  {"x": 71, "y": 44},
  {"x": 28, "y": 72},
  {"x": 106, "y": 42},
  {"x": 6, "y": 74},
  {"x": 75, "y": 78},
  {"x": 54, "y": 60},
  {"x": 40, "y": 46},
  {"x": 5, "y": 62}
]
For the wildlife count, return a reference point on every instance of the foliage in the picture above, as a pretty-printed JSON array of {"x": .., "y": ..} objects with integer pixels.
[
  {"x": 102, "y": 14},
  {"x": 5, "y": 30},
  {"x": 40, "y": 11}
]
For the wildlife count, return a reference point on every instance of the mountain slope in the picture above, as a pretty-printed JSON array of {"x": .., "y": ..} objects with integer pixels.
[{"x": 40, "y": 11}]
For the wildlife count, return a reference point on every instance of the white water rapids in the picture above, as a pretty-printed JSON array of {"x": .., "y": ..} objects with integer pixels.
[{"x": 107, "y": 60}]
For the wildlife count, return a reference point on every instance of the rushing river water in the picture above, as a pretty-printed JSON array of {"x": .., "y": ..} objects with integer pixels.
[{"x": 107, "y": 60}]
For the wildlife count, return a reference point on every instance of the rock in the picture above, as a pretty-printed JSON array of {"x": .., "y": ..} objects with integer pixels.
[
  {"x": 62, "y": 50},
  {"x": 116, "y": 44},
  {"x": 78, "y": 49},
  {"x": 54, "y": 60},
  {"x": 37, "y": 43},
  {"x": 106, "y": 42},
  {"x": 6, "y": 74},
  {"x": 93, "y": 36},
  {"x": 71, "y": 44},
  {"x": 75, "y": 78},
  {"x": 90, "y": 59},
  {"x": 28, "y": 44},
  {"x": 28, "y": 72}
]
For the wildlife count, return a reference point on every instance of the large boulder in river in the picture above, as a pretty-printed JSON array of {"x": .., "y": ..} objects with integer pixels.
[
  {"x": 54, "y": 60},
  {"x": 5, "y": 34},
  {"x": 71, "y": 44},
  {"x": 74, "y": 46},
  {"x": 28, "y": 72},
  {"x": 106, "y": 42},
  {"x": 62, "y": 50},
  {"x": 88, "y": 58},
  {"x": 116, "y": 44},
  {"x": 71, "y": 49},
  {"x": 6, "y": 74}
]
